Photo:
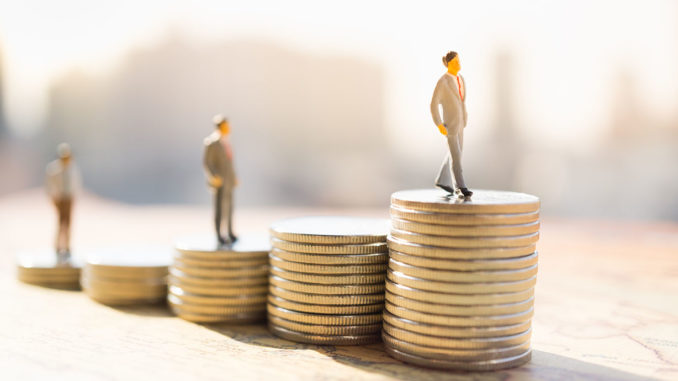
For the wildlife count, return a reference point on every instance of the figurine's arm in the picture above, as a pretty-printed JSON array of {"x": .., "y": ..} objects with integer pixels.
[
  {"x": 213, "y": 179},
  {"x": 435, "y": 110}
]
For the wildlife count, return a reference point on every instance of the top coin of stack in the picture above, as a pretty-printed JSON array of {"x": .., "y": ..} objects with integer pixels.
[
  {"x": 42, "y": 268},
  {"x": 225, "y": 284},
  {"x": 127, "y": 275},
  {"x": 460, "y": 284},
  {"x": 327, "y": 279}
]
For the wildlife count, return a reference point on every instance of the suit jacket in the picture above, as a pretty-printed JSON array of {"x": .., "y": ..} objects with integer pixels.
[
  {"x": 62, "y": 181},
  {"x": 446, "y": 94},
  {"x": 217, "y": 162}
]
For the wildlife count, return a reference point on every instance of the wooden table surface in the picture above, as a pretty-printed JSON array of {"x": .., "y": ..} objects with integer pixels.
[{"x": 606, "y": 308}]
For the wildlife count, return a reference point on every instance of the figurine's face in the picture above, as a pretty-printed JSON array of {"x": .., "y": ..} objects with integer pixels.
[
  {"x": 453, "y": 66},
  {"x": 224, "y": 128},
  {"x": 65, "y": 159}
]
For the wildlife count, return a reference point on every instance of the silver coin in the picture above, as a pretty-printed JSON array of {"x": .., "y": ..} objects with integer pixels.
[
  {"x": 482, "y": 201},
  {"x": 331, "y": 230}
]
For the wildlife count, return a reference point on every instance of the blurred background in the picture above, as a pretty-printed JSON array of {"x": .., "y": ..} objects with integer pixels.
[{"x": 574, "y": 101}]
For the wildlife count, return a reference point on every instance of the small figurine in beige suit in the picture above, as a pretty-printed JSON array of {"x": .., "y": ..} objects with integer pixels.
[
  {"x": 450, "y": 94},
  {"x": 218, "y": 162},
  {"x": 62, "y": 181}
]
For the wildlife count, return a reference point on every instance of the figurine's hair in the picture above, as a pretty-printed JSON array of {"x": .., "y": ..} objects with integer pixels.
[
  {"x": 449, "y": 57},
  {"x": 218, "y": 120},
  {"x": 64, "y": 150}
]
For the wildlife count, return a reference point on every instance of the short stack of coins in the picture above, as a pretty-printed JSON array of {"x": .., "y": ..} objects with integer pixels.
[
  {"x": 127, "y": 275},
  {"x": 209, "y": 283},
  {"x": 327, "y": 279},
  {"x": 44, "y": 268},
  {"x": 460, "y": 284}
]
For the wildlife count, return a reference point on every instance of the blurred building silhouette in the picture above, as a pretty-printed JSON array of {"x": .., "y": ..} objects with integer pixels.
[{"x": 306, "y": 129}]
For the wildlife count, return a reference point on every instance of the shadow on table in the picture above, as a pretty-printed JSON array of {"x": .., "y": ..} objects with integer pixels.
[{"x": 372, "y": 358}]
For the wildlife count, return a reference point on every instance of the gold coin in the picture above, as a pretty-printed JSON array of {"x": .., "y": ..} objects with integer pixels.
[
  {"x": 338, "y": 300},
  {"x": 482, "y": 202},
  {"x": 74, "y": 277},
  {"x": 369, "y": 248},
  {"x": 331, "y": 230},
  {"x": 463, "y": 276},
  {"x": 321, "y": 339},
  {"x": 331, "y": 259},
  {"x": 458, "y": 253},
  {"x": 327, "y": 330},
  {"x": 35, "y": 272},
  {"x": 243, "y": 318},
  {"x": 466, "y": 242},
  {"x": 342, "y": 289},
  {"x": 461, "y": 321},
  {"x": 465, "y": 264},
  {"x": 457, "y": 343},
  {"x": 185, "y": 261},
  {"x": 219, "y": 291},
  {"x": 181, "y": 278},
  {"x": 456, "y": 332},
  {"x": 328, "y": 279},
  {"x": 461, "y": 288},
  {"x": 465, "y": 231},
  {"x": 127, "y": 273},
  {"x": 209, "y": 272},
  {"x": 208, "y": 309},
  {"x": 327, "y": 268},
  {"x": 460, "y": 310},
  {"x": 218, "y": 257},
  {"x": 455, "y": 354},
  {"x": 113, "y": 301},
  {"x": 61, "y": 284},
  {"x": 302, "y": 317},
  {"x": 246, "y": 247},
  {"x": 156, "y": 285},
  {"x": 469, "y": 366},
  {"x": 325, "y": 309},
  {"x": 458, "y": 299},
  {"x": 239, "y": 300},
  {"x": 463, "y": 219},
  {"x": 123, "y": 296}
]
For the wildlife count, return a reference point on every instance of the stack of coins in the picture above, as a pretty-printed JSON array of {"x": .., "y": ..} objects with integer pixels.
[
  {"x": 211, "y": 284},
  {"x": 128, "y": 275},
  {"x": 43, "y": 268},
  {"x": 460, "y": 284},
  {"x": 327, "y": 279}
]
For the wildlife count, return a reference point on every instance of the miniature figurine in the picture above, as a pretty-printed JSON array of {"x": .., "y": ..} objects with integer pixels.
[
  {"x": 62, "y": 180},
  {"x": 450, "y": 93},
  {"x": 218, "y": 162}
]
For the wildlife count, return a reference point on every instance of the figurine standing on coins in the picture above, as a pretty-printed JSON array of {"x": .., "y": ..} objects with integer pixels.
[
  {"x": 450, "y": 94},
  {"x": 62, "y": 181},
  {"x": 218, "y": 162}
]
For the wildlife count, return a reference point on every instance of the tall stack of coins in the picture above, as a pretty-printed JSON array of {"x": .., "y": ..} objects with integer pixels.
[
  {"x": 212, "y": 284},
  {"x": 126, "y": 276},
  {"x": 327, "y": 279},
  {"x": 43, "y": 268},
  {"x": 460, "y": 284}
]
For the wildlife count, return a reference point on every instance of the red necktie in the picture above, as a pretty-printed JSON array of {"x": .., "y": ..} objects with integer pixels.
[{"x": 459, "y": 87}]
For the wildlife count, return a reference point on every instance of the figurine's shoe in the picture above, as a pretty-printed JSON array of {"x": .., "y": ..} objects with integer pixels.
[
  {"x": 466, "y": 192},
  {"x": 233, "y": 237},
  {"x": 446, "y": 188}
]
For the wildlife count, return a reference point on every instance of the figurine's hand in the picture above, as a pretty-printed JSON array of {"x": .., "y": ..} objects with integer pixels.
[
  {"x": 236, "y": 182},
  {"x": 216, "y": 181},
  {"x": 442, "y": 129}
]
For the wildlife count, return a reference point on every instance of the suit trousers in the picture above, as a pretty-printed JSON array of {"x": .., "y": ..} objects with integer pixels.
[
  {"x": 64, "y": 206},
  {"x": 223, "y": 214},
  {"x": 455, "y": 143}
]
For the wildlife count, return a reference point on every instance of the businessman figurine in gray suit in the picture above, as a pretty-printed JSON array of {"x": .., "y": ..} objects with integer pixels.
[
  {"x": 218, "y": 162},
  {"x": 450, "y": 94}
]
